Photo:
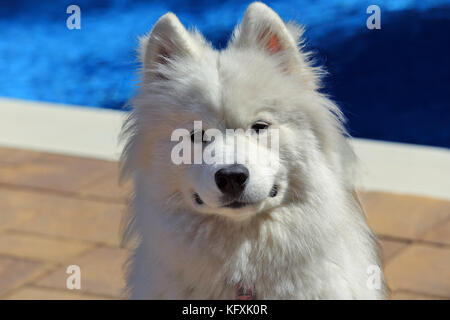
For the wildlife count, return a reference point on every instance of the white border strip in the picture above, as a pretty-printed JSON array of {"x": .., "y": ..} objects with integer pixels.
[
  {"x": 403, "y": 168},
  {"x": 80, "y": 131},
  {"x": 92, "y": 132}
]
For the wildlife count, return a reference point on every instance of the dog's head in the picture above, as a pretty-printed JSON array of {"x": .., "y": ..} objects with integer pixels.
[{"x": 232, "y": 132}]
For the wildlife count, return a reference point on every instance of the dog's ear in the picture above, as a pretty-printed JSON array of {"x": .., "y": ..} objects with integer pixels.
[
  {"x": 167, "y": 40},
  {"x": 263, "y": 28}
]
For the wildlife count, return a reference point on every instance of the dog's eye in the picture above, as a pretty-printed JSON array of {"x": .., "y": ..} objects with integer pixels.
[
  {"x": 197, "y": 136},
  {"x": 260, "y": 125}
]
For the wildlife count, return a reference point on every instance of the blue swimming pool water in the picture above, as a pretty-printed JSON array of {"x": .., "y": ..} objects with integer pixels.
[{"x": 393, "y": 84}]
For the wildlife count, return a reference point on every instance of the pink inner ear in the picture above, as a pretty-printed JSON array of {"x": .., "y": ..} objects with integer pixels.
[{"x": 273, "y": 43}]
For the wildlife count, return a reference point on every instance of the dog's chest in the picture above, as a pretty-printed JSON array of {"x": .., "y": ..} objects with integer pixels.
[{"x": 248, "y": 273}]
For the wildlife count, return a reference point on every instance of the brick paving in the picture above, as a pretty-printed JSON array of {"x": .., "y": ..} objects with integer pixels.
[{"x": 57, "y": 211}]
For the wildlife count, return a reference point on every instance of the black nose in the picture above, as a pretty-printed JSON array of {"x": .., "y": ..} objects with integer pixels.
[{"x": 231, "y": 180}]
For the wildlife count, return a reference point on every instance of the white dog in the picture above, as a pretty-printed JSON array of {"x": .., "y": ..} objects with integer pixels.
[{"x": 289, "y": 228}]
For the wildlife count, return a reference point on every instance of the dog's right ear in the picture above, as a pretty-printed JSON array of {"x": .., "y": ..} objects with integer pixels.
[{"x": 167, "y": 40}]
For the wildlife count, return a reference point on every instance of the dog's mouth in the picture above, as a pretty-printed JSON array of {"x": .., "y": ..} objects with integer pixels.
[
  {"x": 236, "y": 204},
  {"x": 274, "y": 191},
  {"x": 197, "y": 199}
]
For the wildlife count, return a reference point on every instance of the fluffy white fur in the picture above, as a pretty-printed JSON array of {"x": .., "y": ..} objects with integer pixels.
[{"x": 311, "y": 241}]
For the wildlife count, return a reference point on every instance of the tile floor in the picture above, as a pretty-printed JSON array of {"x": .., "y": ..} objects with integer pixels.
[{"x": 59, "y": 210}]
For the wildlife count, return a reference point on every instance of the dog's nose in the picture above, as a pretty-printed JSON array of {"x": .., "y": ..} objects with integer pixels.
[{"x": 232, "y": 179}]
